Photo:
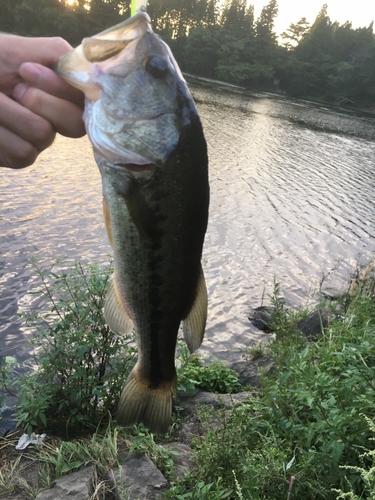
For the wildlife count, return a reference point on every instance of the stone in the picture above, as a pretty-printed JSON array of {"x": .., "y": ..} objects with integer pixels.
[
  {"x": 228, "y": 401},
  {"x": 190, "y": 430},
  {"x": 15, "y": 497},
  {"x": 77, "y": 486},
  {"x": 248, "y": 371},
  {"x": 183, "y": 461},
  {"x": 314, "y": 324},
  {"x": 261, "y": 318},
  {"x": 138, "y": 478}
]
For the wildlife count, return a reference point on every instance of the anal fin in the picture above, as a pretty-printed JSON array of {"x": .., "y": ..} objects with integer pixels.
[
  {"x": 115, "y": 314},
  {"x": 194, "y": 324},
  {"x": 149, "y": 406}
]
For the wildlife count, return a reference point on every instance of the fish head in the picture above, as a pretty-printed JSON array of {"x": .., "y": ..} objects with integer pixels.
[{"x": 136, "y": 98}]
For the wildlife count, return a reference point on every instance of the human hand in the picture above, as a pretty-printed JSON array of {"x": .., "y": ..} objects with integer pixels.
[{"x": 35, "y": 103}]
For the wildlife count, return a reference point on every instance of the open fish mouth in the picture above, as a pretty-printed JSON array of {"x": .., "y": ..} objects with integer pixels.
[
  {"x": 131, "y": 83},
  {"x": 148, "y": 167}
]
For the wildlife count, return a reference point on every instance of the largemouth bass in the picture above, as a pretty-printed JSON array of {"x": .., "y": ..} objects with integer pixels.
[{"x": 149, "y": 145}]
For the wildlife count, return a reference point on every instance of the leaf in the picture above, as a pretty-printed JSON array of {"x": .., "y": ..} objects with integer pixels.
[
  {"x": 43, "y": 418},
  {"x": 305, "y": 352},
  {"x": 284, "y": 377},
  {"x": 290, "y": 463}
]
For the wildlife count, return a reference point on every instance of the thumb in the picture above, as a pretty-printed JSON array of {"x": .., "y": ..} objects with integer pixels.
[
  {"x": 16, "y": 50},
  {"x": 45, "y": 51}
]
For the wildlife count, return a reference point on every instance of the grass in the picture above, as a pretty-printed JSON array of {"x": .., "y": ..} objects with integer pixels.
[{"x": 308, "y": 433}]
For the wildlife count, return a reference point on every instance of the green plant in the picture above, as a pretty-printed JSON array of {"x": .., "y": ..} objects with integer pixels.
[
  {"x": 256, "y": 350},
  {"x": 144, "y": 443},
  {"x": 281, "y": 314},
  {"x": 214, "y": 377},
  {"x": 306, "y": 434},
  {"x": 79, "y": 365},
  {"x": 210, "y": 491},
  {"x": 101, "y": 450},
  {"x": 366, "y": 470},
  {"x": 7, "y": 474}
]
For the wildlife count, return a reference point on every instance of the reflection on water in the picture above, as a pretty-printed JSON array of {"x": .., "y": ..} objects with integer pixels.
[{"x": 292, "y": 193}]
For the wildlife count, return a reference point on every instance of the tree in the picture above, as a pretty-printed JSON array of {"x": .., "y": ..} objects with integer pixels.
[
  {"x": 201, "y": 51},
  {"x": 294, "y": 34},
  {"x": 264, "y": 34},
  {"x": 212, "y": 13},
  {"x": 237, "y": 18},
  {"x": 319, "y": 38},
  {"x": 266, "y": 20}
]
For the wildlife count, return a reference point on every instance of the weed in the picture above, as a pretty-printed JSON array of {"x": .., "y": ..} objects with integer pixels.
[
  {"x": 215, "y": 377},
  {"x": 79, "y": 366},
  {"x": 306, "y": 434},
  {"x": 100, "y": 450},
  {"x": 256, "y": 350},
  {"x": 144, "y": 443},
  {"x": 210, "y": 491},
  {"x": 7, "y": 474}
]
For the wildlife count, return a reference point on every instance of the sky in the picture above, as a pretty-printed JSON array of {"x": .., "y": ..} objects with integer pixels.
[{"x": 359, "y": 12}]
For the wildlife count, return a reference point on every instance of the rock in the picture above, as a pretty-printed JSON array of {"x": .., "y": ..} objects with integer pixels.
[
  {"x": 261, "y": 318},
  {"x": 15, "y": 497},
  {"x": 137, "y": 479},
  {"x": 189, "y": 405},
  {"x": 190, "y": 430},
  {"x": 248, "y": 371},
  {"x": 182, "y": 462},
  {"x": 314, "y": 323},
  {"x": 77, "y": 485}
]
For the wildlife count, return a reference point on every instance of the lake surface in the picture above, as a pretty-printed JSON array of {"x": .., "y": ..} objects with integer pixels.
[{"x": 292, "y": 197}]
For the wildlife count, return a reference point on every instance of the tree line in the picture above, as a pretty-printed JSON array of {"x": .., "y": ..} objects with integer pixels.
[{"x": 224, "y": 40}]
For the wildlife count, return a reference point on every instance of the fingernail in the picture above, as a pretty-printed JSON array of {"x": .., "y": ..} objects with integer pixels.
[
  {"x": 30, "y": 72},
  {"x": 19, "y": 91}
]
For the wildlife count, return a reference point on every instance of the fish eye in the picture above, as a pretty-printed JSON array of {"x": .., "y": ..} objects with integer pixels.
[{"x": 157, "y": 66}]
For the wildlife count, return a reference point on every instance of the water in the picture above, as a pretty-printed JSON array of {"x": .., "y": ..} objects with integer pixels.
[{"x": 292, "y": 197}]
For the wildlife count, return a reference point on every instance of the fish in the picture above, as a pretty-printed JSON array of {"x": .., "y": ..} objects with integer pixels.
[{"x": 149, "y": 145}]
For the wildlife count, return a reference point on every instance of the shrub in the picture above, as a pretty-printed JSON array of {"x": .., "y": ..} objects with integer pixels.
[
  {"x": 79, "y": 365},
  {"x": 306, "y": 435}
]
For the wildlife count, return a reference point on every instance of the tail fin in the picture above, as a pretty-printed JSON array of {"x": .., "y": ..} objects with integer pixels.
[{"x": 140, "y": 404}]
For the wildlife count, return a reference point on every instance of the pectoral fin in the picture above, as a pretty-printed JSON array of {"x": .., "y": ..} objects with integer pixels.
[
  {"x": 115, "y": 314},
  {"x": 194, "y": 324}
]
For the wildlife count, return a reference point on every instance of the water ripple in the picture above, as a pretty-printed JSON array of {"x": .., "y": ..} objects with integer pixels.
[{"x": 292, "y": 194}]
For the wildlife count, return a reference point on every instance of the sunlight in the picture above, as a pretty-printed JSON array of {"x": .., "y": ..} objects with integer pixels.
[{"x": 75, "y": 3}]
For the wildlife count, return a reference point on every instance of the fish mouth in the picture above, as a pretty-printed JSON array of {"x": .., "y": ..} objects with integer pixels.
[{"x": 133, "y": 167}]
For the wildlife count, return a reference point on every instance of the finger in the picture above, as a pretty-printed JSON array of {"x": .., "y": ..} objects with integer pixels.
[
  {"x": 15, "y": 152},
  {"x": 47, "y": 80},
  {"x": 43, "y": 50},
  {"x": 22, "y": 122},
  {"x": 65, "y": 116},
  {"x": 48, "y": 50},
  {"x": 15, "y": 50}
]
